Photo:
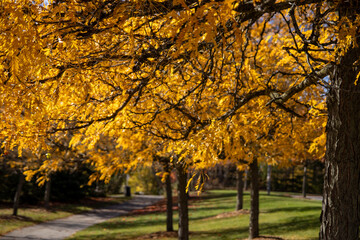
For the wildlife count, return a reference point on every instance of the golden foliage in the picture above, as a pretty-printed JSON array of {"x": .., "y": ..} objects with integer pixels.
[{"x": 206, "y": 81}]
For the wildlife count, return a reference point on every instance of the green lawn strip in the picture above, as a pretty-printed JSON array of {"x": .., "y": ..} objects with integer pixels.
[
  {"x": 29, "y": 215},
  {"x": 280, "y": 216}
]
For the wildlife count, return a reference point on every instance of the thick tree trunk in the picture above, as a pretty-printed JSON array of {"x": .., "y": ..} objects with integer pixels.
[
  {"x": 268, "y": 179},
  {"x": 254, "y": 201},
  {"x": 169, "y": 204},
  {"x": 18, "y": 194},
  {"x": 183, "y": 232},
  {"x": 47, "y": 193},
  {"x": 304, "y": 180},
  {"x": 240, "y": 189},
  {"x": 340, "y": 210}
]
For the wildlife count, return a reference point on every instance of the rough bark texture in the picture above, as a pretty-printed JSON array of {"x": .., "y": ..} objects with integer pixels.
[
  {"x": 304, "y": 180},
  {"x": 340, "y": 210},
  {"x": 183, "y": 232},
  {"x": 47, "y": 193},
  {"x": 240, "y": 189},
  {"x": 169, "y": 205},
  {"x": 18, "y": 194},
  {"x": 254, "y": 201},
  {"x": 268, "y": 179}
]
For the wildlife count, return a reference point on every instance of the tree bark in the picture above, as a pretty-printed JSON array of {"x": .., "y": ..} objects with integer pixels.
[
  {"x": 304, "y": 180},
  {"x": 183, "y": 233},
  {"x": 169, "y": 204},
  {"x": 341, "y": 201},
  {"x": 268, "y": 179},
  {"x": 240, "y": 189},
  {"x": 47, "y": 193},
  {"x": 254, "y": 201},
  {"x": 18, "y": 194}
]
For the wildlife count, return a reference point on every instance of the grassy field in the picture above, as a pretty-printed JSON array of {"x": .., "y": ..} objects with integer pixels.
[
  {"x": 29, "y": 215},
  {"x": 212, "y": 217}
]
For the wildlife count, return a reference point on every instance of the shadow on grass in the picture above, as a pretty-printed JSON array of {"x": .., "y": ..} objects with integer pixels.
[
  {"x": 213, "y": 195},
  {"x": 129, "y": 228},
  {"x": 277, "y": 195},
  {"x": 293, "y": 209},
  {"x": 210, "y": 208},
  {"x": 227, "y": 233},
  {"x": 222, "y": 232},
  {"x": 18, "y": 218},
  {"x": 292, "y": 224},
  {"x": 129, "y": 223},
  {"x": 120, "y": 229}
]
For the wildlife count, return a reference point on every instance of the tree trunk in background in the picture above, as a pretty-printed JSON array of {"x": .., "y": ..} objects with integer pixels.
[
  {"x": 18, "y": 194},
  {"x": 47, "y": 193},
  {"x": 169, "y": 204},
  {"x": 304, "y": 180},
  {"x": 254, "y": 201},
  {"x": 340, "y": 209},
  {"x": 268, "y": 179},
  {"x": 183, "y": 233},
  {"x": 246, "y": 179},
  {"x": 240, "y": 189}
]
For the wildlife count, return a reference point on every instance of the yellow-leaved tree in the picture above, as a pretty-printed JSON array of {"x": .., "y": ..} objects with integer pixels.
[{"x": 173, "y": 68}]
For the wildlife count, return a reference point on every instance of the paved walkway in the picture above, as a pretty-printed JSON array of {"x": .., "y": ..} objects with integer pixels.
[{"x": 65, "y": 227}]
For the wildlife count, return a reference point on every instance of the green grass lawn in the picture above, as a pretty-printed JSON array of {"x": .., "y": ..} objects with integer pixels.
[
  {"x": 280, "y": 216},
  {"x": 29, "y": 215}
]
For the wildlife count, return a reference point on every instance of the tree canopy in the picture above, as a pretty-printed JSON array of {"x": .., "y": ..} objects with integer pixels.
[{"x": 202, "y": 76}]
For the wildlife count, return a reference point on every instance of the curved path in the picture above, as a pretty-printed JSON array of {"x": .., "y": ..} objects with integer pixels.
[{"x": 65, "y": 227}]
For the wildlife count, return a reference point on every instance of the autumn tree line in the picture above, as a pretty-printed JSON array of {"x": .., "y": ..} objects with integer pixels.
[
  {"x": 70, "y": 184},
  {"x": 187, "y": 84}
]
